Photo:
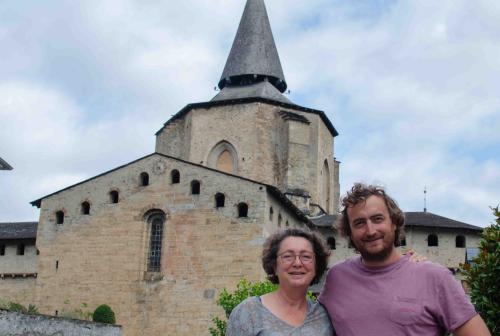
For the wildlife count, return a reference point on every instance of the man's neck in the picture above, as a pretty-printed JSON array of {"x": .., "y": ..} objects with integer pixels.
[{"x": 389, "y": 260}]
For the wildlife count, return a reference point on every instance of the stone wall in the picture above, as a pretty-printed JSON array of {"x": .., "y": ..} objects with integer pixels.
[
  {"x": 102, "y": 257},
  {"x": 11, "y": 262},
  {"x": 272, "y": 149},
  {"x": 16, "y": 324},
  {"x": 18, "y": 289}
]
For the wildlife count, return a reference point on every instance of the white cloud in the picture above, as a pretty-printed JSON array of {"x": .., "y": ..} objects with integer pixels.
[{"x": 412, "y": 88}]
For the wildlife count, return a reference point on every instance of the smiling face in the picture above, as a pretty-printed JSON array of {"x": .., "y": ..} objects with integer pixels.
[
  {"x": 372, "y": 231},
  {"x": 295, "y": 264}
]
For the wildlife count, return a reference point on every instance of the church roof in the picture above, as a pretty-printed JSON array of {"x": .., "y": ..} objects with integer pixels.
[
  {"x": 414, "y": 219},
  {"x": 253, "y": 56},
  {"x": 271, "y": 189},
  {"x": 428, "y": 219},
  {"x": 262, "y": 89},
  {"x": 247, "y": 100},
  {"x": 4, "y": 165},
  {"x": 18, "y": 230}
]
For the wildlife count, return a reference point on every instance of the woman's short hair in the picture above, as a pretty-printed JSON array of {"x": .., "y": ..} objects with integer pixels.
[
  {"x": 358, "y": 194},
  {"x": 272, "y": 246}
]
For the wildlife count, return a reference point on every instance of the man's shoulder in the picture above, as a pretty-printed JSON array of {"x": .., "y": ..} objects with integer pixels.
[
  {"x": 347, "y": 263},
  {"x": 429, "y": 269}
]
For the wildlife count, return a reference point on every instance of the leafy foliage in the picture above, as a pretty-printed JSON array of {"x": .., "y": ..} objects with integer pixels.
[
  {"x": 104, "y": 314},
  {"x": 228, "y": 301},
  {"x": 483, "y": 276},
  {"x": 17, "y": 307}
]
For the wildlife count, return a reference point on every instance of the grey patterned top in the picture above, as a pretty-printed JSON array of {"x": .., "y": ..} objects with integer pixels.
[{"x": 251, "y": 318}]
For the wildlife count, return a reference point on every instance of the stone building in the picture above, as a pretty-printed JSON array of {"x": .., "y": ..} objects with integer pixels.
[{"x": 157, "y": 238}]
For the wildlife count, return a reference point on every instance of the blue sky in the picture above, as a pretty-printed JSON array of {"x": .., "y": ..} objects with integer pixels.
[{"x": 411, "y": 86}]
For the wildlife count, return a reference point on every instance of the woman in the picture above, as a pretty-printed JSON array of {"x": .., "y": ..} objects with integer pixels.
[{"x": 294, "y": 259}]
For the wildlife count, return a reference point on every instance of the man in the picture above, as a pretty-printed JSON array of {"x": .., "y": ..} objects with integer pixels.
[{"x": 381, "y": 292}]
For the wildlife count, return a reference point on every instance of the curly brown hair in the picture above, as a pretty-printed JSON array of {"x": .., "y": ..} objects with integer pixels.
[
  {"x": 359, "y": 193},
  {"x": 272, "y": 246}
]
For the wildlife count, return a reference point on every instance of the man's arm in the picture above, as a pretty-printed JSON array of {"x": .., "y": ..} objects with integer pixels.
[{"x": 474, "y": 327}]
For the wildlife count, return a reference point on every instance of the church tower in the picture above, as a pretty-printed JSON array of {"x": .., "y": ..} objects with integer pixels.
[{"x": 251, "y": 129}]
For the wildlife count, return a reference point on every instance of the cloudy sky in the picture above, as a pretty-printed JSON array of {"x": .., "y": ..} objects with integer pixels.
[{"x": 413, "y": 87}]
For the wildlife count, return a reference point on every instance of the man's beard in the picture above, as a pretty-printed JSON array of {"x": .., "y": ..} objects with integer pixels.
[{"x": 378, "y": 256}]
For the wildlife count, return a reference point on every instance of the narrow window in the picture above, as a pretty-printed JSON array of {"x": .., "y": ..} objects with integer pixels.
[
  {"x": 2, "y": 250},
  {"x": 155, "y": 242},
  {"x": 242, "y": 210},
  {"x": 113, "y": 196},
  {"x": 432, "y": 240},
  {"x": 286, "y": 224},
  {"x": 271, "y": 214},
  {"x": 219, "y": 200},
  {"x": 85, "y": 208},
  {"x": 402, "y": 242},
  {"x": 20, "y": 249},
  {"x": 195, "y": 187},
  {"x": 280, "y": 219},
  {"x": 57, "y": 264},
  {"x": 460, "y": 241},
  {"x": 59, "y": 217},
  {"x": 175, "y": 176},
  {"x": 144, "y": 179},
  {"x": 331, "y": 242}
]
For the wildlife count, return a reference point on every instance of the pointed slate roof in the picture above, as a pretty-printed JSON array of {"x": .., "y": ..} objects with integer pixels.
[
  {"x": 253, "y": 57},
  {"x": 4, "y": 165}
]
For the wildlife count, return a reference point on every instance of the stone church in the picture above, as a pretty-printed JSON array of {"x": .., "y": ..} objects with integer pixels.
[{"x": 159, "y": 237}]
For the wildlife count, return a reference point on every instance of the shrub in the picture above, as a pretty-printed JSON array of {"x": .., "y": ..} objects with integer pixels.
[
  {"x": 17, "y": 307},
  {"x": 482, "y": 276},
  {"x": 104, "y": 314}
]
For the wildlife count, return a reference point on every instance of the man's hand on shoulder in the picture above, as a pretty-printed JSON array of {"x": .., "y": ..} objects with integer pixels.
[{"x": 474, "y": 327}]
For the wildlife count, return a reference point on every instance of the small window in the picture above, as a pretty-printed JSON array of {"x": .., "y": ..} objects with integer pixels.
[
  {"x": 113, "y": 196},
  {"x": 432, "y": 240},
  {"x": 59, "y": 217},
  {"x": 331, "y": 243},
  {"x": 220, "y": 199},
  {"x": 271, "y": 214},
  {"x": 242, "y": 210},
  {"x": 402, "y": 241},
  {"x": 280, "y": 219},
  {"x": 144, "y": 179},
  {"x": 286, "y": 224},
  {"x": 85, "y": 208},
  {"x": 155, "y": 243},
  {"x": 2, "y": 250},
  {"x": 460, "y": 241},
  {"x": 175, "y": 177},
  {"x": 20, "y": 249},
  {"x": 195, "y": 187}
]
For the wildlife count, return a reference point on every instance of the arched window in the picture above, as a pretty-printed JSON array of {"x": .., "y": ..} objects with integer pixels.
[
  {"x": 20, "y": 249},
  {"x": 460, "y": 241},
  {"x": 432, "y": 240},
  {"x": 271, "y": 214},
  {"x": 326, "y": 186},
  {"x": 224, "y": 157},
  {"x": 280, "y": 219},
  {"x": 220, "y": 199},
  {"x": 113, "y": 196},
  {"x": 144, "y": 177},
  {"x": 195, "y": 187},
  {"x": 331, "y": 242},
  {"x": 156, "y": 221},
  {"x": 286, "y": 224},
  {"x": 175, "y": 177},
  {"x": 85, "y": 208},
  {"x": 59, "y": 217},
  {"x": 242, "y": 210}
]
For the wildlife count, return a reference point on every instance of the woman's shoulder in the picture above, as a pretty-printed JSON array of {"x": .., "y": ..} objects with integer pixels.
[{"x": 250, "y": 303}]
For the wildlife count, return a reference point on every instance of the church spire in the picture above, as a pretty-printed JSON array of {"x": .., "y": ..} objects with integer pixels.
[{"x": 253, "y": 57}]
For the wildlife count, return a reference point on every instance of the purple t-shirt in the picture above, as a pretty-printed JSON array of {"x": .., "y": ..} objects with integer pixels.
[{"x": 404, "y": 298}]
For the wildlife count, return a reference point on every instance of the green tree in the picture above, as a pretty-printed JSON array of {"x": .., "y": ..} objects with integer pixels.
[
  {"x": 483, "y": 275},
  {"x": 228, "y": 301},
  {"x": 104, "y": 314}
]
